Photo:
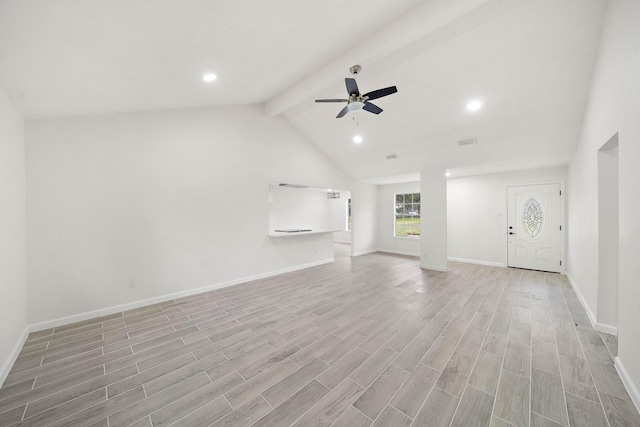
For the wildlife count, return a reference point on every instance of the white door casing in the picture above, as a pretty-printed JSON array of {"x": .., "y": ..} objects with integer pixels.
[{"x": 534, "y": 227}]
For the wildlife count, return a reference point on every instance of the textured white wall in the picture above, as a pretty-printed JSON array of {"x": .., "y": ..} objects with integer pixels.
[
  {"x": 608, "y": 233},
  {"x": 477, "y": 212},
  {"x": 364, "y": 202},
  {"x": 174, "y": 200},
  {"x": 13, "y": 286},
  {"x": 338, "y": 213},
  {"x": 386, "y": 219},
  {"x": 614, "y": 106},
  {"x": 433, "y": 239},
  {"x": 298, "y": 208}
]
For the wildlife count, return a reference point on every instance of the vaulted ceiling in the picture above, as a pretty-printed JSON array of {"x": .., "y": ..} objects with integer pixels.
[{"x": 529, "y": 61}]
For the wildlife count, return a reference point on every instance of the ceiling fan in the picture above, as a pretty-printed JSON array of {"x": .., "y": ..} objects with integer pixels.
[{"x": 356, "y": 101}]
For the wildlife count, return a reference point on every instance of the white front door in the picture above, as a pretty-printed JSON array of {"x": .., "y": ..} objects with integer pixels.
[{"x": 535, "y": 227}]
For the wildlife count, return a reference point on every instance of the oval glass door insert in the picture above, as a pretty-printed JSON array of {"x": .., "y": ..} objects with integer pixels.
[{"x": 532, "y": 217}]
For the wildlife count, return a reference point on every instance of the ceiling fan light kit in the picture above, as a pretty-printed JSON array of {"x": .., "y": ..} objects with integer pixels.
[{"x": 356, "y": 101}]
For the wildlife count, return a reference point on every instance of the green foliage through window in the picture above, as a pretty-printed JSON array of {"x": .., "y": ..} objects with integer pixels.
[{"x": 407, "y": 215}]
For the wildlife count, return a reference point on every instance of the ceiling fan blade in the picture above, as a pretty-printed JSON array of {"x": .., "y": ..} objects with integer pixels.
[
  {"x": 332, "y": 100},
  {"x": 380, "y": 93},
  {"x": 372, "y": 108},
  {"x": 352, "y": 86},
  {"x": 342, "y": 112}
]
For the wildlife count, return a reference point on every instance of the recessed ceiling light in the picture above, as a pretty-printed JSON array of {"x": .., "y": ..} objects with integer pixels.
[
  {"x": 209, "y": 77},
  {"x": 474, "y": 105},
  {"x": 447, "y": 174},
  {"x": 357, "y": 139}
]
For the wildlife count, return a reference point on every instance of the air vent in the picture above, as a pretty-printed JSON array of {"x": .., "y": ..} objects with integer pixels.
[
  {"x": 293, "y": 185},
  {"x": 391, "y": 156},
  {"x": 467, "y": 141}
]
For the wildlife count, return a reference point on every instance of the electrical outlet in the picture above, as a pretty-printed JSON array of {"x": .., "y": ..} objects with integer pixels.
[{"x": 132, "y": 283}]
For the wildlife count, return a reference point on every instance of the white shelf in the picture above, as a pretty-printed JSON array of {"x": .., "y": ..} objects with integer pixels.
[{"x": 273, "y": 233}]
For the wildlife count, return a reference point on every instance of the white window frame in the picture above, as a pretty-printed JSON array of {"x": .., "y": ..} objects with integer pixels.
[{"x": 395, "y": 207}]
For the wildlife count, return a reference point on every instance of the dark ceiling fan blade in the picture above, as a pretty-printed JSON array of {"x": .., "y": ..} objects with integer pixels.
[
  {"x": 352, "y": 86},
  {"x": 332, "y": 100},
  {"x": 342, "y": 112},
  {"x": 380, "y": 93},
  {"x": 372, "y": 108}
]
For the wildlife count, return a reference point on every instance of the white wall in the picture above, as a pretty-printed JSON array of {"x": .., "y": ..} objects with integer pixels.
[
  {"x": 308, "y": 208},
  {"x": 174, "y": 200},
  {"x": 339, "y": 218},
  {"x": 608, "y": 233},
  {"x": 613, "y": 107},
  {"x": 386, "y": 219},
  {"x": 364, "y": 206},
  {"x": 13, "y": 284},
  {"x": 301, "y": 208},
  {"x": 477, "y": 209},
  {"x": 433, "y": 238}
]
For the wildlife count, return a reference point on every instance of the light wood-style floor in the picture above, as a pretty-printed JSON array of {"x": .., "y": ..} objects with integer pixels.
[{"x": 371, "y": 340}]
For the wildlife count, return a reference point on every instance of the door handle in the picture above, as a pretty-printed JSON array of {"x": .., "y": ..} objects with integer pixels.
[{"x": 511, "y": 232}]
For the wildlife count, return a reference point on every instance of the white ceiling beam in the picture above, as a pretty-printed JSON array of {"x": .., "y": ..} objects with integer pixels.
[{"x": 429, "y": 25}]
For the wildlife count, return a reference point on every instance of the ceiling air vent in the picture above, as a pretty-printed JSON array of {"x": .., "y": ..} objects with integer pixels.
[
  {"x": 391, "y": 156},
  {"x": 467, "y": 141}
]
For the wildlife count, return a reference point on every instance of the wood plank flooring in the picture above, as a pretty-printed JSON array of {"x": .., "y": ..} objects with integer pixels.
[{"x": 372, "y": 340}]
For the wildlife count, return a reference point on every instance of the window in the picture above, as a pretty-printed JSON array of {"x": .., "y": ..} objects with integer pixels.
[
  {"x": 407, "y": 215},
  {"x": 349, "y": 214}
]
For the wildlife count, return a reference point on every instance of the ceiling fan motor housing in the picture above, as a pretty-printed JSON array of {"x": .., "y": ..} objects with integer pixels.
[{"x": 358, "y": 101}]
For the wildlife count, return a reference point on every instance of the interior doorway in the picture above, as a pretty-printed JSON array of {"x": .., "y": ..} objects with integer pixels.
[{"x": 608, "y": 234}]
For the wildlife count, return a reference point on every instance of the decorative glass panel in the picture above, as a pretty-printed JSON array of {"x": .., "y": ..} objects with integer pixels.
[{"x": 532, "y": 217}]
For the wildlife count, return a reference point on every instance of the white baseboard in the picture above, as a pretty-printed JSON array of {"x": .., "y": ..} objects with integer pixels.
[
  {"x": 370, "y": 251},
  {"x": 628, "y": 383},
  {"x": 607, "y": 329},
  {"x": 475, "y": 261},
  {"x": 391, "y": 251},
  {"x": 587, "y": 309},
  {"x": 137, "y": 304},
  {"x": 600, "y": 327},
  {"x": 432, "y": 267},
  {"x": 15, "y": 351}
]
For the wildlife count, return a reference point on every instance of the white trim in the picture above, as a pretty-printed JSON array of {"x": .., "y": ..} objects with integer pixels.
[
  {"x": 391, "y": 251},
  {"x": 607, "y": 329},
  {"x": 395, "y": 195},
  {"x": 586, "y": 307},
  {"x": 15, "y": 352},
  {"x": 370, "y": 251},
  {"x": 431, "y": 267},
  {"x": 628, "y": 383},
  {"x": 348, "y": 242},
  {"x": 137, "y": 304},
  {"x": 475, "y": 261},
  {"x": 600, "y": 327}
]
